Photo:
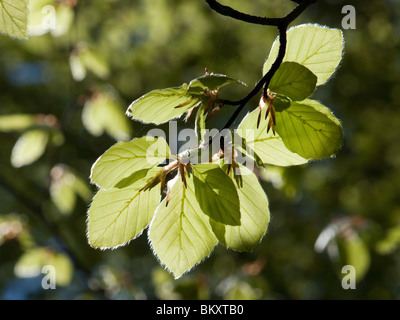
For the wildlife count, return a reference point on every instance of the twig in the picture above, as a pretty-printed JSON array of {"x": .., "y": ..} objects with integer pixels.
[{"x": 282, "y": 25}]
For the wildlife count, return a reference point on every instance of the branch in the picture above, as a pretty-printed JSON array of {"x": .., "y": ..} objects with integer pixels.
[{"x": 34, "y": 208}]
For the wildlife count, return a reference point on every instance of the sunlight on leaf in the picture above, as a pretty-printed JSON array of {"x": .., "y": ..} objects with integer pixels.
[
  {"x": 117, "y": 216},
  {"x": 14, "y": 18},
  {"x": 254, "y": 213},
  {"x": 159, "y": 106},
  {"x": 310, "y": 129},
  {"x": 294, "y": 81},
  {"x": 268, "y": 147}
]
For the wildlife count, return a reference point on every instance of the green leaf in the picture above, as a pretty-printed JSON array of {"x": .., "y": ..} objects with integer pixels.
[
  {"x": 315, "y": 47},
  {"x": 40, "y": 22},
  {"x": 16, "y": 122},
  {"x": 355, "y": 252},
  {"x": 200, "y": 124},
  {"x": 309, "y": 129},
  {"x": 31, "y": 262},
  {"x": 117, "y": 216},
  {"x": 159, "y": 106},
  {"x": 267, "y": 146},
  {"x": 294, "y": 81},
  {"x": 125, "y": 158},
  {"x": 210, "y": 82},
  {"x": 64, "y": 269},
  {"x": 86, "y": 58},
  {"x": 65, "y": 18},
  {"x": 14, "y": 18},
  {"x": 103, "y": 114},
  {"x": 63, "y": 195},
  {"x": 216, "y": 194},
  {"x": 180, "y": 233},
  {"x": 36, "y": 17},
  {"x": 390, "y": 242},
  {"x": 254, "y": 213},
  {"x": 29, "y": 147}
]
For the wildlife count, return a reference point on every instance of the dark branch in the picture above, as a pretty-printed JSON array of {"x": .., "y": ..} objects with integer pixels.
[
  {"x": 265, "y": 80},
  {"x": 229, "y": 12}
]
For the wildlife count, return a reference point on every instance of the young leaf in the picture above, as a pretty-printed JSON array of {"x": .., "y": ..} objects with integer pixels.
[
  {"x": 159, "y": 106},
  {"x": 309, "y": 129},
  {"x": 180, "y": 233},
  {"x": 216, "y": 194},
  {"x": 355, "y": 252},
  {"x": 210, "y": 82},
  {"x": 65, "y": 186},
  {"x": 56, "y": 19},
  {"x": 200, "y": 124},
  {"x": 390, "y": 242},
  {"x": 117, "y": 216},
  {"x": 125, "y": 158},
  {"x": 29, "y": 147},
  {"x": 32, "y": 261},
  {"x": 315, "y": 47},
  {"x": 267, "y": 146},
  {"x": 103, "y": 113},
  {"x": 14, "y": 18},
  {"x": 254, "y": 213},
  {"x": 294, "y": 81},
  {"x": 64, "y": 268}
]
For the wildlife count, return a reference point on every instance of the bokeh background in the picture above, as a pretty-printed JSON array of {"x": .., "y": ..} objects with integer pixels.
[{"x": 63, "y": 95}]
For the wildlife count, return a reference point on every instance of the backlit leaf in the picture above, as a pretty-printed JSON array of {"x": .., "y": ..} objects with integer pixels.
[
  {"x": 294, "y": 81},
  {"x": 180, "y": 233},
  {"x": 268, "y": 147},
  {"x": 125, "y": 158},
  {"x": 29, "y": 147},
  {"x": 32, "y": 261},
  {"x": 315, "y": 47},
  {"x": 254, "y": 213},
  {"x": 309, "y": 129},
  {"x": 210, "y": 82},
  {"x": 16, "y": 122},
  {"x": 117, "y": 216},
  {"x": 65, "y": 187},
  {"x": 102, "y": 113},
  {"x": 159, "y": 106},
  {"x": 355, "y": 252},
  {"x": 216, "y": 193},
  {"x": 14, "y": 18}
]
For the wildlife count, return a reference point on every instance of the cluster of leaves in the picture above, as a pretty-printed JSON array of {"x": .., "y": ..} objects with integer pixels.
[
  {"x": 221, "y": 200},
  {"x": 14, "y": 17}
]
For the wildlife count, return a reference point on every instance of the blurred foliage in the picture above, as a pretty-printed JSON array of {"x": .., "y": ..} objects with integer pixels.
[{"x": 118, "y": 50}]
